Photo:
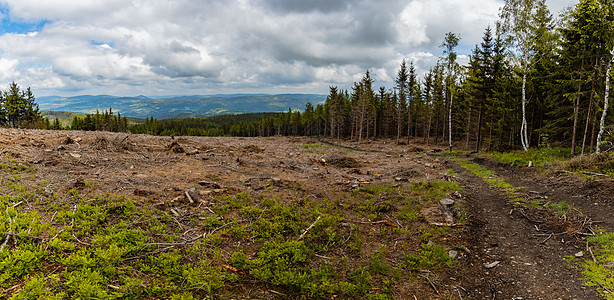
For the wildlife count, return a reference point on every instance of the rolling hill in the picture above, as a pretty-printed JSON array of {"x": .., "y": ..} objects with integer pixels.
[{"x": 180, "y": 106}]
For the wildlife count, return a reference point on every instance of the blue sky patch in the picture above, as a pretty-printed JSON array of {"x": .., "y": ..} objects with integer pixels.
[{"x": 9, "y": 25}]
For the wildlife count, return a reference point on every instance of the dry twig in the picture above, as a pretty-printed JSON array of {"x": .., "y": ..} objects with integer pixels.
[
  {"x": 431, "y": 283},
  {"x": 308, "y": 228},
  {"x": 10, "y": 233}
]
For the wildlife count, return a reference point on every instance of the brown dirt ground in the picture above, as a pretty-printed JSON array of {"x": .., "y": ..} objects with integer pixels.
[
  {"x": 529, "y": 243},
  {"x": 158, "y": 170}
]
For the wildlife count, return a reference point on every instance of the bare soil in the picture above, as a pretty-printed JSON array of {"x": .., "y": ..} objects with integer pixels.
[{"x": 530, "y": 245}]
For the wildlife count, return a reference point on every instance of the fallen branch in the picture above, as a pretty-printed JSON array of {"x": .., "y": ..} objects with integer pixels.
[
  {"x": 595, "y": 174},
  {"x": 459, "y": 294},
  {"x": 445, "y": 224},
  {"x": 308, "y": 228},
  {"x": 527, "y": 217},
  {"x": 375, "y": 222},
  {"x": 278, "y": 293},
  {"x": 431, "y": 283},
  {"x": 11, "y": 288},
  {"x": 125, "y": 138},
  {"x": 591, "y": 252},
  {"x": 10, "y": 233},
  {"x": 6, "y": 240},
  {"x": 551, "y": 235},
  {"x": 187, "y": 195},
  {"x": 605, "y": 288},
  {"x": 171, "y": 245}
]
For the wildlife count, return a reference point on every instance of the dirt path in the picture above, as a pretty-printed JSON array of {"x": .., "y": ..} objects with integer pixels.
[
  {"x": 531, "y": 265},
  {"x": 593, "y": 196}
]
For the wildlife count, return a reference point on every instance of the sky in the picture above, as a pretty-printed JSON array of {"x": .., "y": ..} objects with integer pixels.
[{"x": 199, "y": 47}]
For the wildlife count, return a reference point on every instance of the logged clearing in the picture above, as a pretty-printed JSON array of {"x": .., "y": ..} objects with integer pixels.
[{"x": 104, "y": 216}]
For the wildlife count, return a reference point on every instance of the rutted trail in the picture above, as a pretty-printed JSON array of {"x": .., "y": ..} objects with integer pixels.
[{"x": 531, "y": 263}]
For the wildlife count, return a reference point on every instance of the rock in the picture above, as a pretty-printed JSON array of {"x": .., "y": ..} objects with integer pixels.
[
  {"x": 453, "y": 254},
  {"x": 579, "y": 254},
  {"x": 492, "y": 264}
]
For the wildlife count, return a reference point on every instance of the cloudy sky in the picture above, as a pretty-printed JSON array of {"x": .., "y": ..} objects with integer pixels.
[{"x": 181, "y": 47}]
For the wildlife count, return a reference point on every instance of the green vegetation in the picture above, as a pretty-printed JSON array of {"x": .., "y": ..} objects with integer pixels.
[
  {"x": 70, "y": 246},
  {"x": 18, "y": 108},
  {"x": 105, "y": 121},
  {"x": 315, "y": 148},
  {"x": 487, "y": 175},
  {"x": 599, "y": 272},
  {"x": 537, "y": 156},
  {"x": 224, "y": 125},
  {"x": 602, "y": 163}
]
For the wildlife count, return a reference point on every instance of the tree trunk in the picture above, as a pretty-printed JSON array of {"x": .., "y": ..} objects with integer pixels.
[
  {"x": 437, "y": 118},
  {"x": 399, "y": 121},
  {"x": 605, "y": 104},
  {"x": 409, "y": 121},
  {"x": 523, "y": 128},
  {"x": 468, "y": 128},
  {"x": 479, "y": 135},
  {"x": 450, "y": 119},
  {"x": 490, "y": 127},
  {"x": 576, "y": 108},
  {"x": 593, "y": 129},
  {"x": 588, "y": 114}
]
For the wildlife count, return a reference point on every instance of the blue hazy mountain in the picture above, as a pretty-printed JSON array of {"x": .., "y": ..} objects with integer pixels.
[{"x": 180, "y": 106}]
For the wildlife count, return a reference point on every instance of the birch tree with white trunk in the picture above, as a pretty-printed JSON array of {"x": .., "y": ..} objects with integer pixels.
[
  {"x": 518, "y": 18},
  {"x": 449, "y": 43},
  {"x": 605, "y": 104}
]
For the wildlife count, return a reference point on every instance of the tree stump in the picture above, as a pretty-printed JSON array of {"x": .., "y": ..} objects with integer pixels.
[{"x": 446, "y": 206}]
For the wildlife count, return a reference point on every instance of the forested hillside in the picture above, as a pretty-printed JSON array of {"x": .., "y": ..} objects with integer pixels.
[{"x": 180, "y": 106}]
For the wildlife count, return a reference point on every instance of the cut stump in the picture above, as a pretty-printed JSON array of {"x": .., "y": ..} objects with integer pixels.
[{"x": 446, "y": 206}]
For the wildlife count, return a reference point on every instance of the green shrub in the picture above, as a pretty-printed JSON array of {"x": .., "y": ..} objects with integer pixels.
[{"x": 428, "y": 257}]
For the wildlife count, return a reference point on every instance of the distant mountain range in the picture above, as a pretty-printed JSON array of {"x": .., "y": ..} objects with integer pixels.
[{"x": 180, "y": 106}]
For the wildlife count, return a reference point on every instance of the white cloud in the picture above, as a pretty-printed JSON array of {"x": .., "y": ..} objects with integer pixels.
[
  {"x": 8, "y": 68},
  {"x": 131, "y": 47}
]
